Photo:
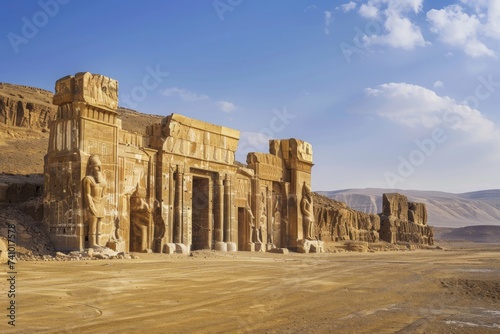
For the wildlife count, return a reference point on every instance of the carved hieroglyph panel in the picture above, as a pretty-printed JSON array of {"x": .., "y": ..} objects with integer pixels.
[{"x": 99, "y": 139}]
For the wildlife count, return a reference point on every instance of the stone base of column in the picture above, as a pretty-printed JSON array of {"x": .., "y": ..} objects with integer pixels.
[
  {"x": 310, "y": 246},
  {"x": 181, "y": 249},
  {"x": 221, "y": 246},
  {"x": 232, "y": 247}
]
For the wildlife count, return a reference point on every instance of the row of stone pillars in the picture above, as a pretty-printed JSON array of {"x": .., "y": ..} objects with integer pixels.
[{"x": 222, "y": 208}]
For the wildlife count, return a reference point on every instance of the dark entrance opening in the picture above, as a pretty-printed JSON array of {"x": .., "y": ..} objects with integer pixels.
[
  {"x": 242, "y": 230},
  {"x": 202, "y": 231}
]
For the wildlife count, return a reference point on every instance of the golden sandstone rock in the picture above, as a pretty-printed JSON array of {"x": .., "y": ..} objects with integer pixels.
[{"x": 177, "y": 187}]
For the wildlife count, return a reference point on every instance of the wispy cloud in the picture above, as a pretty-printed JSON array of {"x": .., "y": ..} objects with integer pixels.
[
  {"x": 347, "y": 7},
  {"x": 311, "y": 7},
  {"x": 328, "y": 21},
  {"x": 438, "y": 84},
  {"x": 413, "y": 106},
  {"x": 226, "y": 106},
  {"x": 184, "y": 94}
]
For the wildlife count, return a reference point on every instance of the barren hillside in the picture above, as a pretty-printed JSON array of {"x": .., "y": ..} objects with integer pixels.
[{"x": 25, "y": 113}]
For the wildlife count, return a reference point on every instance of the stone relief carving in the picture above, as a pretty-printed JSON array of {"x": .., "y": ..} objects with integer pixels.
[
  {"x": 140, "y": 217},
  {"x": 277, "y": 219},
  {"x": 263, "y": 219},
  {"x": 306, "y": 207},
  {"x": 253, "y": 235},
  {"x": 94, "y": 185},
  {"x": 160, "y": 226}
]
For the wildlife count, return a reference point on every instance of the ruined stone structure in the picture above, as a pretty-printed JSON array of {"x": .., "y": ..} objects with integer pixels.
[
  {"x": 177, "y": 188},
  {"x": 400, "y": 221},
  {"x": 24, "y": 106},
  {"x": 404, "y": 221}
]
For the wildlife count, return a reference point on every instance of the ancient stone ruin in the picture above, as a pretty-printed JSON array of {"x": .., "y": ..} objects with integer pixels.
[
  {"x": 400, "y": 221},
  {"x": 178, "y": 188}
]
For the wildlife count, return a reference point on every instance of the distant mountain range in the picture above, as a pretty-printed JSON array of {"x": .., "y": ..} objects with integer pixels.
[{"x": 444, "y": 209}]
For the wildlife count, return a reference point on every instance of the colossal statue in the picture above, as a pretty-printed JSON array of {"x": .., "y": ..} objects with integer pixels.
[
  {"x": 306, "y": 206},
  {"x": 94, "y": 185}
]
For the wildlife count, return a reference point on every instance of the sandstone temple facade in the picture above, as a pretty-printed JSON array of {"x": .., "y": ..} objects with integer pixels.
[{"x": 178, "y": 187}]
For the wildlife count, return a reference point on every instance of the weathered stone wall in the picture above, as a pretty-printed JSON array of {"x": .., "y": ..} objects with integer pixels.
[
  {"x": 24, "y": 106},
  {"x": 337, "y": 222},
  {"x": 404, "y": 221},
  {"x": 17, "y": 189},
  {"x": 400, "y": 221}
]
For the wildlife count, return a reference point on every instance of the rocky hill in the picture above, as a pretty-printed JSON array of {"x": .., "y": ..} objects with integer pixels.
[
  {"x": 24, "y": 106},
  {"x": 444, "y": 209},
  {"x": 25, "y": 113},
  {"x": 481, "y": 233}
]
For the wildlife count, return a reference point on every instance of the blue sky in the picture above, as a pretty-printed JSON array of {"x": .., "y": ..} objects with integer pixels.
[{"x": 391, "y": 94}]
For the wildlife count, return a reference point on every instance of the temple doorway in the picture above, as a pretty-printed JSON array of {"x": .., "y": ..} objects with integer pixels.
[
  {"x": 202, "y": 229},
  {"x": 243, "y": 238}
]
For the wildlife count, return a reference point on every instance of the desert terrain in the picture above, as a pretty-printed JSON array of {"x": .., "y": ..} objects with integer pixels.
[{"x": 451, "y": 290}]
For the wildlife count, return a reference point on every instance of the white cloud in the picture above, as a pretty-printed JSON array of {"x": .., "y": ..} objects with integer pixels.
[
  {"x": 347, "y": 7},
  {"x": 400, "y": 31},
  {"x": 328, "y": 21},
  {"x": 310, "y": 7},
  {"x": 226, "y": 106},
  {"x": 416, "y": 106},
  {"x": 458, "y": 29},
  {"x": 184, "y": 94},
  {"x": 368, "y": 11},
  {"x": 471, "y": 32},
  {"x": 438, "y": 84}
]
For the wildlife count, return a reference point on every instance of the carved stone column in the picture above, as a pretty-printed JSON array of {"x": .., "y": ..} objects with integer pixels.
[
  {"x": 171, "y": 203},
  {"x": 179, "y": 177},
  {"x": 219, "y": 211},
  {"x": 227, "y": 210}
]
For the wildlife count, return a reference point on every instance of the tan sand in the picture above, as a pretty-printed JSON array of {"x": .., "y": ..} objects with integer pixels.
[{"x": 425, "y": 291}]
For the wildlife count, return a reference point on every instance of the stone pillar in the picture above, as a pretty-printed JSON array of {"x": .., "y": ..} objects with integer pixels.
[
  {"x": 219, "y": 211},
  {"x": 171, "y": 203},
  {"x": 179, "y": 177},
  {"x": 227, "y": 209}
]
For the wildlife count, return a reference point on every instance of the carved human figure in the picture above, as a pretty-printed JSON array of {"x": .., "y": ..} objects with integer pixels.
[
  {"x": 94, "y": 186},
  {"x": 263, "y": 219},
  {"x": 306, "y": 207},
  {"x": 278, "y": 208},
  {"x": 159, "y": 226},
  {"x": 253, "y": 233},
  {"x": 140, "y": 217}
]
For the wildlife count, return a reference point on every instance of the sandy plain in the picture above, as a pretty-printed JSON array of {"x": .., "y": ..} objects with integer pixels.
[{"x": 456, "y": 290}]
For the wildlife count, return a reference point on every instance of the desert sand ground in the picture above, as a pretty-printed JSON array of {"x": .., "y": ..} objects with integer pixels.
[{"x": 456, "y": 290}]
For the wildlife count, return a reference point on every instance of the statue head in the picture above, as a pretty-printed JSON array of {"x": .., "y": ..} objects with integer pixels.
[
  {"x": 95, "y": 168},
  {"x": 306, "y": 191}
]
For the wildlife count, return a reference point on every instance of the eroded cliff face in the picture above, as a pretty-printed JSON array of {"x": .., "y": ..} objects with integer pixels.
[
  {"x": 337, "y": 222},
  {"x": 404, "y": 221},
  {"x": 24, "y": 106},
  {"x": 400, "y": 221}
]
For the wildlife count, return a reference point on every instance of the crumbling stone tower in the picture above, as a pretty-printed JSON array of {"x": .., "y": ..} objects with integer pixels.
[{"x": 86, "y": 125}]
